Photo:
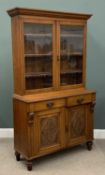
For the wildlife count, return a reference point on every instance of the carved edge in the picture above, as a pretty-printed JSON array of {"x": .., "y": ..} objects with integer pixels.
[
  {"x": 92, "y": 105},
  {"x": 47, "y": 13},
  {"x": 31, "y": 118}
]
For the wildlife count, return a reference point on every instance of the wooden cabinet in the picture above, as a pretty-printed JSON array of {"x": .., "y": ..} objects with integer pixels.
[{"x": 53, "y": 109}]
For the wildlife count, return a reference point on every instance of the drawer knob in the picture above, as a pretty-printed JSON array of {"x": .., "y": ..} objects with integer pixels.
[
  {"x": 31, "y": 114},
  {"x": 50, "y": 104},
  {"x": 80, "y": 101}
]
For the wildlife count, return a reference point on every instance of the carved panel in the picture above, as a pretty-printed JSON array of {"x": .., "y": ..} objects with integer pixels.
[
  {"x": 49, "y": 130},
  {"x": 77, "y": 121},
  {"x": 92, "y": 106}
]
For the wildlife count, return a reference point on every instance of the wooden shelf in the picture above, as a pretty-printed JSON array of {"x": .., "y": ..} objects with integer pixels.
[
  {"x": 72, "y": 54},
  {"x": 38, "y": 55},
  {"x": 50, "y": 54},
  {"x": 71, "y": 72},
  {"x": 50, "y": 35},
  {"x": 44, "y": 74},
  {"x": 39, "y": 74},
  {"x": 72, "y": 35},
  {"x": 38, "y": 35}
]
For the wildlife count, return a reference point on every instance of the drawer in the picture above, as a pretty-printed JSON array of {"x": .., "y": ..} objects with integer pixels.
[
  {"x": 45, "y": 105},
  {"x": 78, "y": 100}
]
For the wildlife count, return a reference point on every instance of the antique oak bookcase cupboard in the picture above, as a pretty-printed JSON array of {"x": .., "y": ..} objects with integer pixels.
[{"x": 53, "y": 109}]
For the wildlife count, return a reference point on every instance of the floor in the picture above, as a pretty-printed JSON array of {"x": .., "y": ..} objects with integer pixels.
[{"x": 74, "y": 161}]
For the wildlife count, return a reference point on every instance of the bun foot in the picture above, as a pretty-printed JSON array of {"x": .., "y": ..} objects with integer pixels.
[
  {"x": 89, "y": 145},
  {"x": 17, "y": 156},
  {"x": 29, "y": 165}
]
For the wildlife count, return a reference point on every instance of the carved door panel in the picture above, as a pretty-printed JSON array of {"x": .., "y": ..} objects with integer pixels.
[
  {"x": 50, "y": 130},
  {"x": 76, "y": 124}
]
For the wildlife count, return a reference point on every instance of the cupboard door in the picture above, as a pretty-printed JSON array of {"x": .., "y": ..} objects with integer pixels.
[
  {"x": 39, "y": 54},
  {"x": 76, "y": 124},
  {"x": 47, "y": 133},
  {"x": 71, "y": 54}
]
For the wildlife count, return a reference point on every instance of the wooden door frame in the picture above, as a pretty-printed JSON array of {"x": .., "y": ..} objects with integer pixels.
[
  {"x": 72, "y": 23},
  {"x": 27, "y": 19},
  {"x": 18, "y": 62}
]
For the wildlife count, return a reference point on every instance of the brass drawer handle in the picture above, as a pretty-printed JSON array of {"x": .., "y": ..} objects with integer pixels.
[
  {"x": 80, "y": 101},
  {"x": 31, "y": 114},
  {"x": 50, "y": 104}
]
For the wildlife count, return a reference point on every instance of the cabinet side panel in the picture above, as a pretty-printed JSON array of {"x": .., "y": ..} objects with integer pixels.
[
  {"x": 20, "y": 127},
  {"x": 18, "y": 67},
  {"x": 89, "y": 122},
  {"x": 84, "y": 54}
]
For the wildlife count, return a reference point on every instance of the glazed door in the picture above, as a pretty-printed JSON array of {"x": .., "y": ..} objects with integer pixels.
[
  {"x": 71, "y": 54},
  {"x": 39, "y": 54},
  {"x": 76, "y": 124},
  {"x": 50, "y": 129}
]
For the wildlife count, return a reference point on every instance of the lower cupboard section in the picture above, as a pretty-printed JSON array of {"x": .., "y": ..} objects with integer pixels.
[
  {"x": 54, "y": 129},
  {"x": 39, "y": 133}
]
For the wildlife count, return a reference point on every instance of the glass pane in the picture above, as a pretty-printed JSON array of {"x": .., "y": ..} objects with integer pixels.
[
  {"x": 38, "y": 55},
  {"x": 71, "y": 54}
]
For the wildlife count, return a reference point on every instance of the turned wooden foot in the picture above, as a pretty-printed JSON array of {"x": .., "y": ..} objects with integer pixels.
[
  {"x": 17, "y": 156},
  {"x": 89, "y": 145},
  {"x": 29, "y": 165}
]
